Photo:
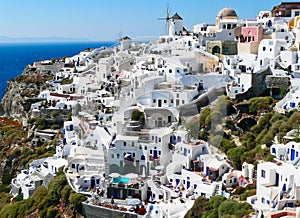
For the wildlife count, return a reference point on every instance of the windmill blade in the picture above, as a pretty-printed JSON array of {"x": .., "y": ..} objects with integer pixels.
[
  {"x": 168, "y": 10},
  {"x": 167, "y": 18}
]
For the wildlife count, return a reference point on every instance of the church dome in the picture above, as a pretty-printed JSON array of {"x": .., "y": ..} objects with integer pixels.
[{"x": 227, "y": 12}]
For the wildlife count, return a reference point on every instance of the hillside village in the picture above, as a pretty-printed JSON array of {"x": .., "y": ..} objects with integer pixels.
[{"x": 141, "y": 128}]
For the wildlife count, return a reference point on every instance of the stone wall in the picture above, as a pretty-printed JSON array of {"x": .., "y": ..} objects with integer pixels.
[
  {"x": 94, "y": 211},
  {"x": 278, "y": 82}
]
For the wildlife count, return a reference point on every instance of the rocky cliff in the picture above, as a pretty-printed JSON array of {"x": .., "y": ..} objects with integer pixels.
[{"x": 16, "y": 149}]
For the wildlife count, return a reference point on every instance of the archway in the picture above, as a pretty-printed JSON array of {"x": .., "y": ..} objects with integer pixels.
[{"x": 216, "y": 50}]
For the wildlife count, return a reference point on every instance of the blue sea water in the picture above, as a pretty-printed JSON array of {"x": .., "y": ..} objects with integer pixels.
[{"x": 14, "y": 57}]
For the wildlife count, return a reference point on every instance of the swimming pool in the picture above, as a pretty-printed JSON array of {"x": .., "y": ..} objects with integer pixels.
[{"x": 123, "y": 179}]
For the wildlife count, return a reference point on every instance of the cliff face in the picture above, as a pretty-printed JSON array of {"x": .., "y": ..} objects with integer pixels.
[
  {"x": 12, "y": 102},
  {"x": 15, "y": 139},
  {"x": 22, "y": 90}
]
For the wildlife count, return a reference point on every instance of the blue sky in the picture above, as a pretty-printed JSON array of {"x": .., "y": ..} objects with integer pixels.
[{"x": 103, "y": 20}]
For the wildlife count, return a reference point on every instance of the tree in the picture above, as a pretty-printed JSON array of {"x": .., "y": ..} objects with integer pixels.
[
  {"x": 137, "y": 115},
  {"x": 234, "y": 208},
  {"x": 76, "y": 199},
  {"x": 235, "y": 154},
  {"x": 260, "y": 103},
  {"x": 193, "y": 127}
]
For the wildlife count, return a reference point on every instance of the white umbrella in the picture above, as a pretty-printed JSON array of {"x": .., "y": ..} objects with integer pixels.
[
  {"x": 114, "y": 175},
  {"x": 132, "y": 175}
]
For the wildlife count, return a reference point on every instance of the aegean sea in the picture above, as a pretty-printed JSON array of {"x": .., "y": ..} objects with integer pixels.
[{"x": 14, "y": 57}]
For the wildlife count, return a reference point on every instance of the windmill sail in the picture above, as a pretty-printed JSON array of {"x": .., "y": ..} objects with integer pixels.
[{"x": 167, "y": 18}]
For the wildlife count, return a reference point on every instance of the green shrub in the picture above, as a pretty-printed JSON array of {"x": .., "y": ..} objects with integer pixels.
[{"x": 75, "y": 200}]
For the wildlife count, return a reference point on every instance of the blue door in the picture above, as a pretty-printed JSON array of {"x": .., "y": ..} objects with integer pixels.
[
  {"x": 207, "y": 171},
  {"x": 277, "y": 179},
  {"x": 177, "y": 181},
  {"x": 188, "y": 184},
  {"x": 284, "y": 188},
  {"x": 115, "y": 194},
  {"x": 93, "y": 182},
  {"x": 155, "y": 153},
  {"x": 292, "y": 154},
  {"x": 179, "y": 139}
]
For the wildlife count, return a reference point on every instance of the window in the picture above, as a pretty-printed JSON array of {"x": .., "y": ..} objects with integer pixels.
[
  {"x": 262, "y": 200},
  {"x": 159, "y": 152},
  {"x": 124, "y": 144},
  {"x": 112, "y": 156},
  {"x": 182, "y": 101},
  {"x": 165, "y": 101},
  {"x": 118, "y": 155},
  {"x": 263, "y": 174},
  {"x": 264, "y": 48},
  {"x": 172, "y": 101},
  {"x": 177, "y": 95},
  {"x": 170, "y": 71},
  {"x": 150, "y": 151},
  {"x": 132, "y": 144},
  {"x": 154, "y": 101}
]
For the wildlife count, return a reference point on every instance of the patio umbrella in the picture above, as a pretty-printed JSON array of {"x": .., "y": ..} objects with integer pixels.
[
  {"x": 132, "y": 175},
  {"x": 114, "y": 175}
]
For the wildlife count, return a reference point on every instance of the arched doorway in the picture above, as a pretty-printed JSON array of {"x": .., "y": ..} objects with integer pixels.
[{"x": 216, "y": 50}]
